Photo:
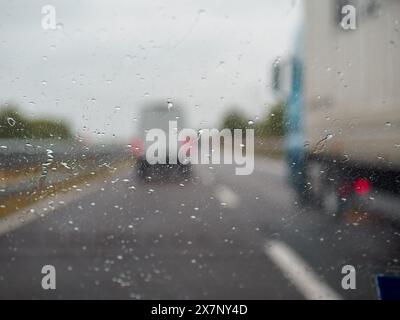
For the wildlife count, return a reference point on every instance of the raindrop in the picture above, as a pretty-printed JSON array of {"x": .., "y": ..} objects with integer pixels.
[
  {"x": 60, "y": 26},
  {"x": 11, "y": 121},
  {"x": 65, "y": 165},
  {"x": 346, "y": 158}
]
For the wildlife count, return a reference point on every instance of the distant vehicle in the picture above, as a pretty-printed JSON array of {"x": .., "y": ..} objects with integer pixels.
[
  {"x": 341, "y": 89},
  {"x": 159, "y": 115}
]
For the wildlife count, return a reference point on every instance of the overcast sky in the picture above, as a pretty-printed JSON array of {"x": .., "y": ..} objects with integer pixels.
[{"x": 107, "y": 58}]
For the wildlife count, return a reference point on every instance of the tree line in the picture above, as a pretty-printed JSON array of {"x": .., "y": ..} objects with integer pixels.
[
  {"x": 272, "y": 125},
  {"x": 15, "y": 125}
]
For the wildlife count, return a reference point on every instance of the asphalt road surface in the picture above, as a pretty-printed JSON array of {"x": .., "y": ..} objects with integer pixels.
[{"x": 215, "y": 236}]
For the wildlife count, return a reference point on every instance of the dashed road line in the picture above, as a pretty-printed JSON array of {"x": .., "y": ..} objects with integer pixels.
[
  {"x": 298, "y": 272},
  {"x": 227, "y": 197}
]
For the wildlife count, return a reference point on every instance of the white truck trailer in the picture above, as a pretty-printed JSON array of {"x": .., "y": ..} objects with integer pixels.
[{"x": 343, "y": 104}]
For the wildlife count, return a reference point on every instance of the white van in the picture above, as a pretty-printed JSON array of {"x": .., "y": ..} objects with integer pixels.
[{"x": 159, "y": 115}]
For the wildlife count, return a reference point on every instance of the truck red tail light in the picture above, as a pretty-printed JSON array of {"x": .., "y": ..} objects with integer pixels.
[{"x": 362, "y": 186}]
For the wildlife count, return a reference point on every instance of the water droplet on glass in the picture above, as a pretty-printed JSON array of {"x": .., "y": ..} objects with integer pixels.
[
  {"x": 11, "y": 121},
  {"x": 60, "y": 26}
]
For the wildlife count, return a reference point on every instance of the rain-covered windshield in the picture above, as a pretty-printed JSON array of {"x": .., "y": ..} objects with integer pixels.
[{"x": 200, "y": 150}]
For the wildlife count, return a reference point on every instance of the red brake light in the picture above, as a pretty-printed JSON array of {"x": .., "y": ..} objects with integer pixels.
[
  {"x": 138, "y": 147},
  {"x": 187, "y": 145},
  {"x": 362, "y": 186}
]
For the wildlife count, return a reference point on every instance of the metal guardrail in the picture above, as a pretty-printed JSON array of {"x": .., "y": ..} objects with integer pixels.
[
  {"x": 18, "y": 153},
  {"x": 74, "y": 159}
]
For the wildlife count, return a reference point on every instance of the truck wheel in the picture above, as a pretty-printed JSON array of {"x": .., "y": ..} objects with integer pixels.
[
  {"x": 330, "y": 201},
  {"x": 314, "y": 185},
  {"x": 141, "y": 169},
  {"x": 323, "y": 185},
  {"x": 186, "y": 171}
]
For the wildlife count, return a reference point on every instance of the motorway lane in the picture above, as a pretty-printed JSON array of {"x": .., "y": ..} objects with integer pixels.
[
  {"x": 370, "y": 243},
  {"x": 206, "y": 238}
]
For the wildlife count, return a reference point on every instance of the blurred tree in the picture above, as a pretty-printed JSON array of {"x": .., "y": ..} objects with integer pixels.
[
  {"x": 14, "y": 125},
  {"x": 235, "y": 120},
  {"x": 274, "y": 123},
  {"x": 43, "y": 129}
]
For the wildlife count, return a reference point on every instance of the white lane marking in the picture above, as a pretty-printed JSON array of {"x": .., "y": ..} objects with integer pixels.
[
  {"x": 42, "y": 208},
  {"x": 297, "y": 271},
  {"x": 227, "y": 197}
]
